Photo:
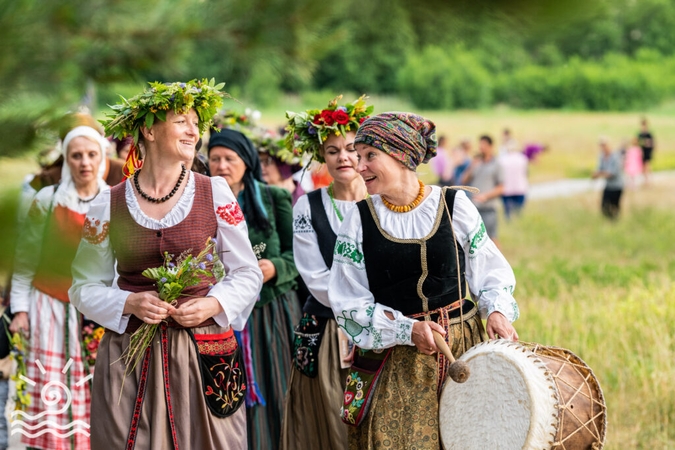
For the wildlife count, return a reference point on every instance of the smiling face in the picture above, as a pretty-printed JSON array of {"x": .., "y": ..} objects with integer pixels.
[
  {"x": 226, "y": 163},
  {"x": 381, "y": 173},
  {"x": 84, "y": 159},
  {"x": 177, "y": 136},
  {"x": 341, "y": 157}
]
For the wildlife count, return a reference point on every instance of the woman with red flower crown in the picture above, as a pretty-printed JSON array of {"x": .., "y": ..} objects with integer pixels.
[
  {"x": 168, "y": 400},
  {"x": 312, "y": 413},
  {"x": 39, "y": 295},
  {"x": 268, "y": 334}
]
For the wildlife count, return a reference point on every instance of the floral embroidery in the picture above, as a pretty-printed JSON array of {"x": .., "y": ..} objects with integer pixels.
[
  {"x": 219, "y": 347},
  {"x": 231, "y": 213},
  {"x": 228, "y": 381},
  {"x": 370, "y": 310},
  {"x": 377, "y": 339},
  {"x": 351, "y": 326},
  {"x": 90, "y": 231},
  {"x": 403, "y": 332},
  {"x": 302, "y": 224},
  {"x": 348, "y": 252},
  {"x": 479, "y": 238}
]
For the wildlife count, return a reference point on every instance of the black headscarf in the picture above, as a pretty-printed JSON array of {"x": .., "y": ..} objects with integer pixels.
[{"x": 240, "y": 144}]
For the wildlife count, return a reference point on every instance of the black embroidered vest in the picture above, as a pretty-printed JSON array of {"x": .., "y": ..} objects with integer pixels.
[
  {"x": 404, "y": 274},
  {"x": 326, "y": 238}
]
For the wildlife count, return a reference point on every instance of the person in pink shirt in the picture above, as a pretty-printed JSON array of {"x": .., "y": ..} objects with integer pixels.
[
  {"x": 514, "y": 165},
  {"x": 633, "y": 162}
]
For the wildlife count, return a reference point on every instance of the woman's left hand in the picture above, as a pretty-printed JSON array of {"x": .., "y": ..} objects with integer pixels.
[
  {"x": 195, "y": 311},
  {"x": 268, "y": 269},
  {"x": 498, "y": 326}
]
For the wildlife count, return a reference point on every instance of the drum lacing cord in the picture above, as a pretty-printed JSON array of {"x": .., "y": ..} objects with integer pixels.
[{"x": 586, "y": 373}]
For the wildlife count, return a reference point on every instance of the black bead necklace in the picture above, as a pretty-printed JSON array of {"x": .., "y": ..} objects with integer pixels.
[{"x": 167, "y": 196}]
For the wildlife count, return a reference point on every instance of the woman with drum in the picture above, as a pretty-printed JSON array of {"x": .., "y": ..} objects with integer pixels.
[{"x": 402, "y": 261}]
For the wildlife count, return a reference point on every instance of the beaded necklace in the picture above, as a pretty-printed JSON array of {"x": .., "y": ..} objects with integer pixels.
[
  {"x": 410, "y": 206},
  {"x": 332, "y": 200},
  {"x": 167, "y": 196}
]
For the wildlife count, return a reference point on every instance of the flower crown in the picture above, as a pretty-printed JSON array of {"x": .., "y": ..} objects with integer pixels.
[
  {"x": 205, "y": 96},
  {"x": 307, "y": 131},
  {"x": 267, "y": 141},
  {"x": 229, "y": 118}
]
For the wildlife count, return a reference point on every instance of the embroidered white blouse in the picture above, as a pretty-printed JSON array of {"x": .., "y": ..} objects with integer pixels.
[
  {"x": 489, "y": 275},
  {"x": 308, "y": 258},
  {"x": 32, "y": 234},
  {"x": 95, "y": 294}
]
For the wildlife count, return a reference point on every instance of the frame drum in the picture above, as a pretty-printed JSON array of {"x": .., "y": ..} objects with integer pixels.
[{"x": 523, "y": 396}]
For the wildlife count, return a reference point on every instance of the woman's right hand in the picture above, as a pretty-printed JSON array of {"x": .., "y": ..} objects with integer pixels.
[
  {"x": 423, "y": 337},
  {"x": 148, "y": 307},
  {"x": 20, "y": 323}
]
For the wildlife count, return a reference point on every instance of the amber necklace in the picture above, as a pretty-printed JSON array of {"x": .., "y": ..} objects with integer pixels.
[
  {"x": 332, "y": 200},
  {"x": 410, "y": 206}
]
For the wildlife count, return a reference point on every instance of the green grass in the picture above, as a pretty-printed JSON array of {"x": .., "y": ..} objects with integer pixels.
[{"x": 605, "y": 291}]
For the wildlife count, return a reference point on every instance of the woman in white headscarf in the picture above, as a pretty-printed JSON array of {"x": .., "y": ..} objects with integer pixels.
[{"x": 39, "y": 295}]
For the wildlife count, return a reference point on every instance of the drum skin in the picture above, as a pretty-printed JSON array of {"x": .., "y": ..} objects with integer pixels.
[{"x": 522, "y": 396}]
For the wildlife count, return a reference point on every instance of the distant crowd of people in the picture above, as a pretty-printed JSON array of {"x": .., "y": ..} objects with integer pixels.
[
  {"x": 500, "y": 174},
  {"x": 633, "y": 160}
]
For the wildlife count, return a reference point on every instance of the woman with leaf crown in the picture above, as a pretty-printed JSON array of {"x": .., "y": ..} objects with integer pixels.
[
  {"x": 321, "y": 351},
  {"x": 189, "y": 385}
]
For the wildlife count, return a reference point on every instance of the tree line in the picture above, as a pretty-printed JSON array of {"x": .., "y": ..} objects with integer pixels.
[{"x": 586, "y": 54}]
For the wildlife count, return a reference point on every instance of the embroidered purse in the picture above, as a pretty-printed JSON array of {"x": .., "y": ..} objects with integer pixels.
[
  {"x": 308, "y": 335},
  {"x": 223, "y": 376},
  {"x": 361, "y": 382}
]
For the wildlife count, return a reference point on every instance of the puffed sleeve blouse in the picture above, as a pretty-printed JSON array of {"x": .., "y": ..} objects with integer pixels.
[{"x": 490, "y": 277}]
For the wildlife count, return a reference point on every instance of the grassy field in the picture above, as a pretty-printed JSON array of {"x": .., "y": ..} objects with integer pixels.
[
  {"x": 571, "y": 135},
  {"x": 605, "y": 291}
]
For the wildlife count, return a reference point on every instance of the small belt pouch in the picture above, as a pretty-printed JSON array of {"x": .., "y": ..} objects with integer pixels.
[
  {"x": 308, "y": 335},
  {"x": 223, "y": 375},
  {"x": 361, "y": 383}
]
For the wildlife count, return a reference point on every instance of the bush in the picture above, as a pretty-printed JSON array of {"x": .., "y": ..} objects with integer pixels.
[{"x": 438, "y": 79}]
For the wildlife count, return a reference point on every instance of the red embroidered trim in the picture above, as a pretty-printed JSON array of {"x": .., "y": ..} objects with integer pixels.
[
  {"x": 231, "y": 213},
  {"x": 167, "y": 391},
  {"x": 140, "y": 396},
  {"x": 90, "y": 231}
]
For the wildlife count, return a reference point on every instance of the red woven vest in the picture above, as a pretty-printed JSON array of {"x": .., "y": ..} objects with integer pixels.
[{"x": 137, "y": 248}]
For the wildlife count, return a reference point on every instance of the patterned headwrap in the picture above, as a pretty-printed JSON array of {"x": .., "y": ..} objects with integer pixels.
[{"x": 406, "y": 137}]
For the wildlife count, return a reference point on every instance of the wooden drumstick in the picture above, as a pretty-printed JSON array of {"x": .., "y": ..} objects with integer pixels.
[{"x": 459, "y": 371}]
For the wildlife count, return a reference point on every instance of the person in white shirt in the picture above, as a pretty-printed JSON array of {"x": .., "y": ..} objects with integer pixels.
[
  {"x": 402, "y": 262},
  {"x": 173, "y": 398},
  {"x": 318, "y": 374}
]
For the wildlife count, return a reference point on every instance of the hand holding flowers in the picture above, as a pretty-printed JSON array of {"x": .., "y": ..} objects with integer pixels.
[{"x": 154, "y": 307}]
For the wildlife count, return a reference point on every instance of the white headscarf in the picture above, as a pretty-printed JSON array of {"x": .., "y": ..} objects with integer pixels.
[{"x": 66, "y": 194}]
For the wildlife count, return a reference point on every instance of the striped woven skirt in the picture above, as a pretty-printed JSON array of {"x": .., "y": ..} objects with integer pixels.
[
  {"x": 312, "y": 415},
  {"x": 58, "y": 415},
  {"x": 271, "y": 331}
]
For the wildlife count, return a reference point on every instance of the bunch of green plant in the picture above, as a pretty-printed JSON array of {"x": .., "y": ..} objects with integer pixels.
[{"x": 172, "y": 278}]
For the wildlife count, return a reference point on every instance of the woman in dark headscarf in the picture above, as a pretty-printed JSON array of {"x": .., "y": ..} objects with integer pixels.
[
  {"x": 401, "y": 265},
  {"x": 269, "y": 331}
]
